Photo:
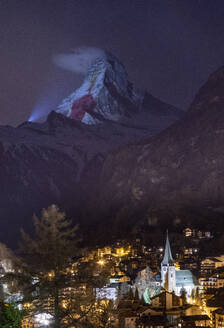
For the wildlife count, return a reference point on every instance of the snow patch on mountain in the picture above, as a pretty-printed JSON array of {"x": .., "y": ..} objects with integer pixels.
[{"x": 109, "y": 93}]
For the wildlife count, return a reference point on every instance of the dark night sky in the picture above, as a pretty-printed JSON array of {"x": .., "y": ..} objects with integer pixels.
[{"x": 168, "y": 47}]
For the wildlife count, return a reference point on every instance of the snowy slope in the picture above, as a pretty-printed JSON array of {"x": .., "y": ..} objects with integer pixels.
[
  {"x": 59, "y": 160},
  {"x": 106, "y": 93}
]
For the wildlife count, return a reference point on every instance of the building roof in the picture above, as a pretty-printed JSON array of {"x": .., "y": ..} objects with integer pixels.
[
  {"x": 193, "y": 318},
  {"x": 217, "y": 300},
  {"x": 158, "y": 320},
  {"x": 214, "y": 259},
  {"x": 185, "y": 278},
  {"x": 163, "y": 291},
  {"x": 219, "y": 311},
  {"x": 167, "y": 258},
  {"x": 154, "y": 320}
]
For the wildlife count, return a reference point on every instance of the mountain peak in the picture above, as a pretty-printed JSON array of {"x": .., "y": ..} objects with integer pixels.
[{"x": 106, "y": 93}]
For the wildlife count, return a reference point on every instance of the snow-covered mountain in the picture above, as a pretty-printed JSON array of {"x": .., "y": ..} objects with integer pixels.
[
  {"x": 59, "y": 160},
  {"x": 107, "y": 94}
]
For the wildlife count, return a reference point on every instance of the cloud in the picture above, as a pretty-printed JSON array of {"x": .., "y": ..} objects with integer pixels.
[{"x": 80, "y": 60}]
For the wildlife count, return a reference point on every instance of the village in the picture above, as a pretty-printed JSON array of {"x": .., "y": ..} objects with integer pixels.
[{"x": 152, "y": 286}]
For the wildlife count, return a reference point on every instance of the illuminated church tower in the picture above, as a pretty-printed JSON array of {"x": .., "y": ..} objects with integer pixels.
[{"x": 168, "y": 273}]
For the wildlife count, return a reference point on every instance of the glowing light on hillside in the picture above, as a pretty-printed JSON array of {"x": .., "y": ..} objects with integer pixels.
[{"x": 101, "y": 262}]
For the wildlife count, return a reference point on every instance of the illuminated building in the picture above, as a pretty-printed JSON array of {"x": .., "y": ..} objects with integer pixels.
[
  {"x": 174, "y": 280},
  {"x": 148, "y": 284},
  {"x": 101, "y": 252},
  {"x": 218, "y": 318},
  {"x": 215, "y": 302},
  {"x": 36, "y": 321},
  {"x": 188, "y": 232},
  {"x": 29, "y": 322},
  {"x": 166, "y": 300},
  {"x": 109, "y": 293},
  {"x": 166, "y": 310},
  {"x": 121, "y": 251},
  {"x": 168, "y": 271},
  {"x": 195, "y": 321},
  {"x": 101, "y": 262},
  {"x": 209, "y": 264},
  {"x": 215, "y": 281}
]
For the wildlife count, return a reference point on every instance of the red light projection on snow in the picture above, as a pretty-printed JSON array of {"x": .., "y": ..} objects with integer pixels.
[{"x": 81, "y": 106}]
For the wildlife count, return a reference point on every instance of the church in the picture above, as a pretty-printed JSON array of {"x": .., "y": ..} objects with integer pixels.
[
  {"x": 169, "y": 278},
  {"x": 173, "y": 280}
]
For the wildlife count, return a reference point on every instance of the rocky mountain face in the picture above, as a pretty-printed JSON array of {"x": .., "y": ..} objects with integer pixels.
[
  {"x": 59, "y": 161},
  {"x": 182, "y": 167},
  {"x": 107, "y": 94}
]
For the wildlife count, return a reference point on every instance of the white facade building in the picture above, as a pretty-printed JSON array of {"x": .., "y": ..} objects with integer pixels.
[{"x": 175, "y": 280}]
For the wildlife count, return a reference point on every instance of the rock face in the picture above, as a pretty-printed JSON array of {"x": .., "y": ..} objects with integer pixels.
[
  {"x": 107, "y": 149},
  {"x": 181, "y": 167},
  {"x": 121, "y": 158},
  {"x": 210, "y": 93},
  {"x": 59, "y": 161},
  {"x": 106, "y": 94}
]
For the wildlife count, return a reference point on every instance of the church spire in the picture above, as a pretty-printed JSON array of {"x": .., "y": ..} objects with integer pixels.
[{"x": 167, "y": 258}]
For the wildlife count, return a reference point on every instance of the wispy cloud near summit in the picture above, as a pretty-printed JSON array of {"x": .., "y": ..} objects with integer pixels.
[{"x": 80, "y": 60}]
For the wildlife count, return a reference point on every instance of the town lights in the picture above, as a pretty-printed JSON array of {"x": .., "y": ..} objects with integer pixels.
[
  {"x": 43, "y": 319},
  {"x": 101, "y": 262}
]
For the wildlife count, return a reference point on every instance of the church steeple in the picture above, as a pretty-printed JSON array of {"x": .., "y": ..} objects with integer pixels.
[
  {"x": 168, "y": 273},
  {"x": 167, "y": 258}
]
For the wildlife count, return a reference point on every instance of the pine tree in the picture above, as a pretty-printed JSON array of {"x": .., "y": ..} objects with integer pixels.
[
  {"x": 147, "y": 296},
  {"x": 136, "y": 297},
  {"x": 10, "y": 316},
  {"x": 183, "y": 295},
  {"x": 50, "y": 275},
  {"x": 101, "y": 314},
  {"x": 47, "y": 256},
  {"x": 142, "y": 300},
  {"x": 130, "y": 294},
  {"x": 193, "y": 294},
  {"x": 197, "y": 296}
]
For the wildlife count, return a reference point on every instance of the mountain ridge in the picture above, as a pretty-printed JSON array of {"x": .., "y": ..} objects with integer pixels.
[
  {"x": 59, "y": 160},
  {"x": 180, "y": 167}
]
